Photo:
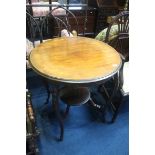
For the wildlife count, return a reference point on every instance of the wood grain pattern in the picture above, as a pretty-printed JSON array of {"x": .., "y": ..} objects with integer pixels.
[{"x": 75, "y": 58}]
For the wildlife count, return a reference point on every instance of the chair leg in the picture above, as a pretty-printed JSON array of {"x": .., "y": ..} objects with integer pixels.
[{"x": 116, "y": 111}]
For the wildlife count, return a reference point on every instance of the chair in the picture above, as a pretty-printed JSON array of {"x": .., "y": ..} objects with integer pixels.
[
  {"x": 34, "y": 37},
  {"x": 38, "y": 30},
  {"x": 117, "y": 36}
]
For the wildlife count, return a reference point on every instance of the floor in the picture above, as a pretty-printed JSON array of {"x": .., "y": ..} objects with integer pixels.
[{"x": 84, "y": 133}]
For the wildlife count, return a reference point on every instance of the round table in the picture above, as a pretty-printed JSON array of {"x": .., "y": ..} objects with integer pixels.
[{"x": 74, "y": 61}]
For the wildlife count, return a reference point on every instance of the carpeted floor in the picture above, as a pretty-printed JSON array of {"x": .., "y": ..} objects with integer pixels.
[{"x": 84, "y": 134}]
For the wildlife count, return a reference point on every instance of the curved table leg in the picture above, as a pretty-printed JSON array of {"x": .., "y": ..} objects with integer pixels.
[
  {"x": 110, "y": 97},
  {"x": 116, "y": 111},
  {"x": 47, "y": 89},
  {"x": 109, "y": 103},
  {"x": 121, "y": 97},
  {"x": 55, "y": 101}
]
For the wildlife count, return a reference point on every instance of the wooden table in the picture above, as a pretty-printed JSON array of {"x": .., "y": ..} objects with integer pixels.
[{"x": 74, "y": 60}]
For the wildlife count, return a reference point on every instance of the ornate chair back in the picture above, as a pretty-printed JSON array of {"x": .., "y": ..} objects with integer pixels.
[
  {"x": 120, "y": 41},
  {"x": 117, "y": 36},
  {"x": 33, "y": 30},
  {"x": 59, "y": 19}
]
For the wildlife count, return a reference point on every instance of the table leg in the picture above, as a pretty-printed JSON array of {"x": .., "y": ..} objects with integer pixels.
[
  {"x": 55, "y": 102},
  {"x": 109, "y": 102},
  {"x": 116, "y": 111},
  {"x": 47, "y": 89},
  {"x": 110, "y": 97}
]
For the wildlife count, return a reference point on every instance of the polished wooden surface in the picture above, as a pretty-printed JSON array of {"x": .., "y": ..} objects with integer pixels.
[{"x": 75, "y": 59}]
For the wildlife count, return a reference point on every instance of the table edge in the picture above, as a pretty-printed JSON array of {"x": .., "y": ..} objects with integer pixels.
[{"x": 71, "y": 81}]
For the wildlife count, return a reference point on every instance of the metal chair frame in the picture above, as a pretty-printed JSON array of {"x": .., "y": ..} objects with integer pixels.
[
  {"x": 34, "y": 28},
  {"x": 62, "y": 21},
  {"x": 121, "y": 44}
]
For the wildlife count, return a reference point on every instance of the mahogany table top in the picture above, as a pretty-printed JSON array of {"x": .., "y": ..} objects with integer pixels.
[{"x": 75, "y": 59}]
